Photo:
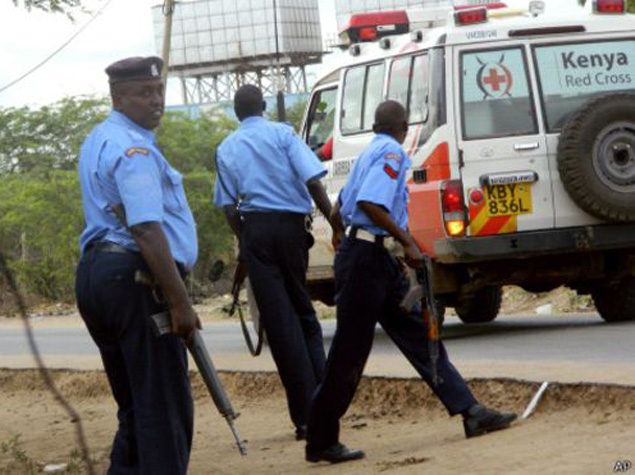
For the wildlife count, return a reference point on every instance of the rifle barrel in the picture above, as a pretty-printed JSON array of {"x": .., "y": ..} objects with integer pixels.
[{"x": 212, "y": 381}]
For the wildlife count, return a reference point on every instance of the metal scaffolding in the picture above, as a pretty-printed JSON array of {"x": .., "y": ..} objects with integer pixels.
[{"x": 221, "y": 86}]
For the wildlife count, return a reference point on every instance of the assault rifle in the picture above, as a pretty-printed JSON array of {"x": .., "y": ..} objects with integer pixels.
[
  {"x": 198, "y": 350},
  {"x": 424, "y": 290}
]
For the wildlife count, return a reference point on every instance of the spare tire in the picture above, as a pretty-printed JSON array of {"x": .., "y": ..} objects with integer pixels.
[{"x": 596, "y": 157}]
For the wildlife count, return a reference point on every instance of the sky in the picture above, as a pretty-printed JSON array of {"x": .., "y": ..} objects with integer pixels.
[{"x": 123, "y": 29}]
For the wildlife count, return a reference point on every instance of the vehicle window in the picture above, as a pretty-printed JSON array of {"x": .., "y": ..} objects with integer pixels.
[
  {"x": 495, "y": 96},
  {"x": 321, "y": 117},
  {"x": 352, "y": 100},
  {"x": 572, "y": 74},
  {"x": 374, "y": 94},
  {"x": 399, "y": 81},
  {"x": 408, "y": 85},
  {"x": 363, "y": 91},
  {"x": 418, "y": 104}
]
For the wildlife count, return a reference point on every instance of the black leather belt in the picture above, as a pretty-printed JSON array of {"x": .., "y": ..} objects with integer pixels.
[
  {"x": 111, "y": 247},
  {"x": 356, "y": 232},
  {"x": 105, "y": 246},
  {"x": 278, "y": 217}
]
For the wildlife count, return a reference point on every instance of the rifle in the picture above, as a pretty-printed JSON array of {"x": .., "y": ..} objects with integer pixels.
[
  {"x": 424, "y": 290},
  {"x": 163, "y": 324},
  {"x": 240, "y": 275}
]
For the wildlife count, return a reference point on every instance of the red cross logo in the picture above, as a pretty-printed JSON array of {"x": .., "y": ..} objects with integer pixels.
[{"x": 494, "y": 80}]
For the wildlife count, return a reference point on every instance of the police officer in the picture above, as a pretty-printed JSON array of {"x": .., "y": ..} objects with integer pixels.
[
  {"x": 266, "y": 177},
  {"x": 139, "y": 228},
  {"x": 370, "y": 284}
]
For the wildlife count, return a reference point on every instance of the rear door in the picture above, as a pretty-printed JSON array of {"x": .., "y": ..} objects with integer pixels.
[
  {"x": 505, "y": 170},
  {"x": 570, "y": 73}
]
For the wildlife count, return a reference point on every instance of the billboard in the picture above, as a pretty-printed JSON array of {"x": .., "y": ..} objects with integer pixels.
[{"x": 205, "y": 32}]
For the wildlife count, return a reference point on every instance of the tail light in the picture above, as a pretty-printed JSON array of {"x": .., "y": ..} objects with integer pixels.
[
  {"x": 453, "y": 207},
  {"x": 470, "y": 16},
  {"x": 609, "y": 6}
]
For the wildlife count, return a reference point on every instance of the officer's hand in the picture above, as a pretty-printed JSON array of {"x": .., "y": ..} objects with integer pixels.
[
  {"x": 184, "y": 321},
  {"x": 338, "y": 236},
  {"x": 413, "y": 256}
]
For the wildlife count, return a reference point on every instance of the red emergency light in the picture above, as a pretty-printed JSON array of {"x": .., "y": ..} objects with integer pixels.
[
  {"x": 609, "y": 6},
  {"x": 374, "y": 25},
  {"x": 470, "y": 16}
]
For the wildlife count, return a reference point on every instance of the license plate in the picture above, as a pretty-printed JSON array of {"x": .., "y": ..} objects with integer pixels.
[{"x": 506, "y": 200}]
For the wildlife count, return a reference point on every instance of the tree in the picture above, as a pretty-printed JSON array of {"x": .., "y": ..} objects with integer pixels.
[
  {"x": 51, "y": 6},
  {"x": 295, "y": 114},
  {"x": 47, "y": 138},
  {"x": 189, "y": 145},
  {"x": 40, "y": 207}
]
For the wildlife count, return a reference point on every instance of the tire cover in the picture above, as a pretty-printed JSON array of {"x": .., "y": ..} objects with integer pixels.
[{"x": 596, "y": 157}]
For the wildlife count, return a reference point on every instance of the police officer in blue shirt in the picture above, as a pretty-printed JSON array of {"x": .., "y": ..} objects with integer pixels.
[
  {"x": 139, "y": 228},
  {"x": 266, "y": 177},
  {"x": 370, "y": 284}
]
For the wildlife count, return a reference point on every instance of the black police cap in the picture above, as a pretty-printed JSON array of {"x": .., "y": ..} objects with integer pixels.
[{"x": 135, "y": 69}]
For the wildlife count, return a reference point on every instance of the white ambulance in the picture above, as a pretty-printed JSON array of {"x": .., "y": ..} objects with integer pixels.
[{"x": 522, "y": 137}]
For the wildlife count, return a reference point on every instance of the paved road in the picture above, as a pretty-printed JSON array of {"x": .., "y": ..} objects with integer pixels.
[{"x": 572, "y": 347}]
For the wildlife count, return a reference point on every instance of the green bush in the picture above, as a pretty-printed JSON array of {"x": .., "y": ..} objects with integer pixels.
[{"x": 41, "y": 220}]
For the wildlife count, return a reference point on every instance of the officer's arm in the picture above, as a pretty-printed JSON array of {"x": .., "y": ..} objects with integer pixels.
[
  {"x": 318, "y": 193},
  {"x": 155, "y": 250},
  {"x": 338, "y": 225},
  {"x": 380, "y": 217}
]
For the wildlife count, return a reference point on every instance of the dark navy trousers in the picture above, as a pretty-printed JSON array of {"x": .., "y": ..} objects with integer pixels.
[
  {"x": 370, "y": 285},
  {"x": 275, "y": 247},
  {"x": 147, "y": 374}
]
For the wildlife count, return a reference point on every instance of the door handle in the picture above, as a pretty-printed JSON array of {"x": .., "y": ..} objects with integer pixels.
[{"x": 521, "y": 147}]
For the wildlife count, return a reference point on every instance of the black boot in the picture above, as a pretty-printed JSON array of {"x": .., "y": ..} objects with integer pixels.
[
  {"x": 336, "y": 453},
  {"x": 300, "y": 433},
  {"x": 478, "y": 420}
]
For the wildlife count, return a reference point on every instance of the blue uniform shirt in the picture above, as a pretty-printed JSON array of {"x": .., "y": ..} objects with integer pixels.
[
  {"x": 120, "y": 163},
  {"x": 379, "y": 177},
  {"x": 265, "y": 166}
]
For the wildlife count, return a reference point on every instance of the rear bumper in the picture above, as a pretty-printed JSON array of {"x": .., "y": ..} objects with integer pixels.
[{"x": 536, "y": 243}]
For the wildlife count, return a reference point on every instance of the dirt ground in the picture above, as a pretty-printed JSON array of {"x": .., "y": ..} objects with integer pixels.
[
  {"x": 401, "y": 426},
  {"x": 582, "y": 428}
]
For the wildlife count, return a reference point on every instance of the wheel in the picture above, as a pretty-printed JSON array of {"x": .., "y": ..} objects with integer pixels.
[
  {"x": 615, "y": 302},
  {"x": 596, "y": 157},
  {"x": 481, "y": 306}
]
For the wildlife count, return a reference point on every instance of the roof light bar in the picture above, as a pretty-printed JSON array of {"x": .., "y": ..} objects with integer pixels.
[
  {"x": 609, "y": 6},
  {"x": 470, "y": 16},
  {"x": 489, "y": 6},
  {"x": 374, "y": 25}
]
